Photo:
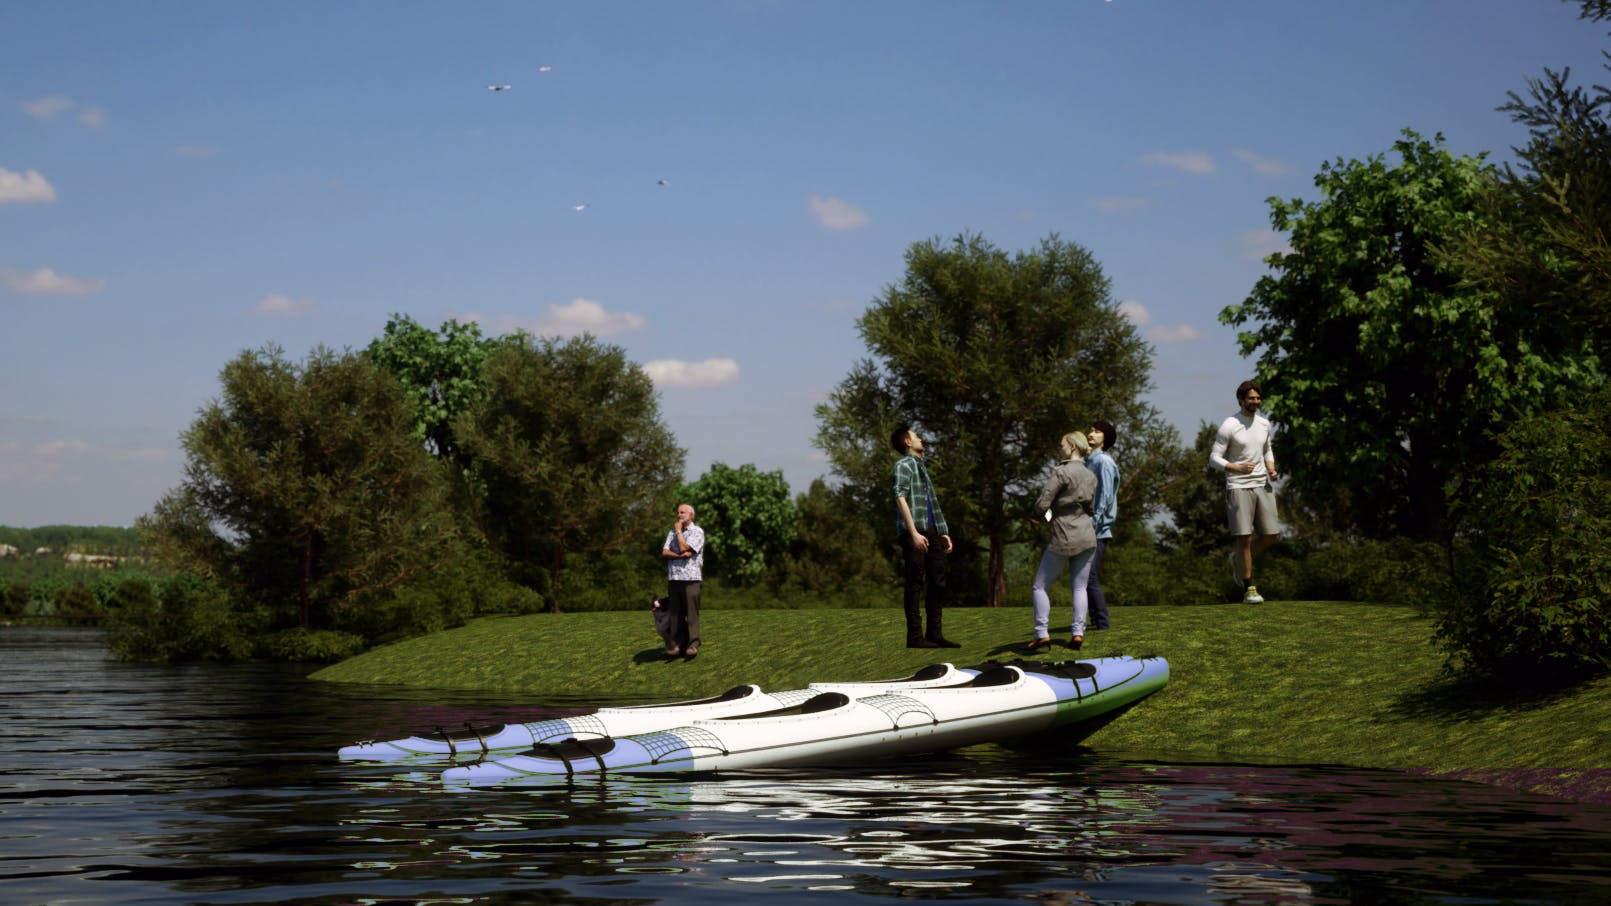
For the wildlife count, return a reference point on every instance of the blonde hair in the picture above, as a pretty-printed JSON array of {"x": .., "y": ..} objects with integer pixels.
[{"x": 1075, "y": 442}]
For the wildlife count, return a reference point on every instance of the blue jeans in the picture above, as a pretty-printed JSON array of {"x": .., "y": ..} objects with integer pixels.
[
  {"x": 1093, "y": 588},
  {"x": 1079, "y": 573}
]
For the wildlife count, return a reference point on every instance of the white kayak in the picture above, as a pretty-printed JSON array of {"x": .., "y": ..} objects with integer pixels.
[
  {"x": 491, "y": 740},
  {"x": 988, "y": 703}
]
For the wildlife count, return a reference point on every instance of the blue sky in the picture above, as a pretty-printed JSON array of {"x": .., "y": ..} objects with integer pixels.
[{"x": 181, "y": 181}]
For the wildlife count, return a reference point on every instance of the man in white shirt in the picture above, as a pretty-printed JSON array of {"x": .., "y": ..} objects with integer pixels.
[{"x": 1243, "y": 452}]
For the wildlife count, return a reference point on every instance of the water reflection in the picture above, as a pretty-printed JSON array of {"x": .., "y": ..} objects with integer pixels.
[
  {"x": 204, "y": 785},
  {"x": 989, "y": 824}
]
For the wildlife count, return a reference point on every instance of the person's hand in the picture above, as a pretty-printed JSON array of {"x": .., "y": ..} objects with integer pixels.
[
  {"x": 921, "y": 542},
  {"x": 947, "y": 539},
  {"x": 1274, "y": 475}
]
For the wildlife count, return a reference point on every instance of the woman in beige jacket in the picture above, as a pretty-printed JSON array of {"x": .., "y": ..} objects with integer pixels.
[{"x": 1066, "y": 501}]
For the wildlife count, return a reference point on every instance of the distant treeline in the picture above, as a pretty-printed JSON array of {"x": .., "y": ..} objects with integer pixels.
[{"x": 59, "y": 539}]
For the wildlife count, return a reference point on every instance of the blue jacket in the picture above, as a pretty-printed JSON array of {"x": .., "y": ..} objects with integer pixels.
[{"x": 1105, "y": 503}]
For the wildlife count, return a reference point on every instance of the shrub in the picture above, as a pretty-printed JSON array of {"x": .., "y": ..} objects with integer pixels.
[
  {"x": 1533, "y": 596},
  {"x": 189, "y": 619},
  {"x": 312, "y": 645},
  {"x": 75, "y": 602},
  {"x": 15, "y": 602}
]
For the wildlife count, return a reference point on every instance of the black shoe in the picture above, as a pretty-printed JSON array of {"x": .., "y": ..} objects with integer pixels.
[
  {"x": 920, "y": 643},
  {"x": 943, "y": 642}
]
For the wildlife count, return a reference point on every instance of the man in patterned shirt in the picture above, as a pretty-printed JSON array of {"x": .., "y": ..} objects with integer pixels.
[
  {"x": 925, "y": 541},
  {"x": 684, "y": 553}
]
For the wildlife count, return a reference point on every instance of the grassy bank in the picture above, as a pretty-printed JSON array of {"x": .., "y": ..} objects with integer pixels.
[{"x": 1296, "y": 683}]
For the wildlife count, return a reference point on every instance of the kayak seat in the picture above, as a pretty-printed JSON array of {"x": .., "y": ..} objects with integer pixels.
[
  {"x": 931, "y": 672},
  {"x": 469, "y": 732},
  {"x": 995, "y": 676},
  {"x": 823, "y": 701},
  {"x": 571, "y": 749},
  {"x": 731, "y": 695}
]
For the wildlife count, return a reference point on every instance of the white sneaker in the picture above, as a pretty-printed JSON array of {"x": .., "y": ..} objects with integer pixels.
[{"x": 1252, "y": 596}]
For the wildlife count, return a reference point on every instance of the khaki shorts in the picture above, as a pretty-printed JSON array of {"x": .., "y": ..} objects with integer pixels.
[{"x": 1247, "y": 509}]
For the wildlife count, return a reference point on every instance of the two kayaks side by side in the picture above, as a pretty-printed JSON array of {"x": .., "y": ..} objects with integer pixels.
[
  {"x": 491, "y": 740},
  {"x": 990, "y": 703}
]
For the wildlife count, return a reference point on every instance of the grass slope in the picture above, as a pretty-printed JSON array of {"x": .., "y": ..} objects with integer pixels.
[{"x": 1296, "y": 683}]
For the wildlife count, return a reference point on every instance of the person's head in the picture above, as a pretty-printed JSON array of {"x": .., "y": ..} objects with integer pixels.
[
  {"x": 906, "y": 440},
  {"x": 1249, "y": 396},
  {"x": 1102, "y": 435},
  {"x": 685, "y": 513},
  {"x": 1075, "y": 444}
]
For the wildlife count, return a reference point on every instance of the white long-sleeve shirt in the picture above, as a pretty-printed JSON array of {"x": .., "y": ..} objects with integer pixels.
[{"x": 1244, "y": 438}]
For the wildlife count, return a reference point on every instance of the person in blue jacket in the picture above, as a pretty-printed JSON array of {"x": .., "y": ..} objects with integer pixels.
[{"x": 1104, "y": 510}]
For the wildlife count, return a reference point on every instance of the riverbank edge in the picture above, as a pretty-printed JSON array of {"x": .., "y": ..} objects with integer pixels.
[{"x": 1349, "y": 684}]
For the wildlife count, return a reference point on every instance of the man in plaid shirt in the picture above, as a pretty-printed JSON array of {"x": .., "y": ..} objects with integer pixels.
[{"x": 925, "y": 541}]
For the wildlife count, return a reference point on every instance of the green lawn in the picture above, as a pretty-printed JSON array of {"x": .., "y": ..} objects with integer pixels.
[{"x": 1296, "y": 683}]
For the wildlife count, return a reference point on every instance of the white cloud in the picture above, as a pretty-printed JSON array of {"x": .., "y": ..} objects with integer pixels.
[
  {"x": 56, "y": 449},
  {"x": 22, "y": 188},
  {"x": 572, "y": 319},
  {"x": 580, "y": 316},
  {"x": 1258, "y": 245},
  {"x": 679, "y": 374},
  {"x": 1188, "y": 161},
  {"x": 47, "y": 107},
  {"x": 1137, "y": 314},
  {"x": 47, "y": 282},
  {"x": 1119, "y": 205},
  {"x": 837, "y": 214},
  {"x": 1264, "y": 166},
  {"x": 279, "y": 305},
  {"x": 1179, "y": 333}
]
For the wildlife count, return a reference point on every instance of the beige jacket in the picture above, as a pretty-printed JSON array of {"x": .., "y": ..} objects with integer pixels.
[{"x": 1068, "y": 494}]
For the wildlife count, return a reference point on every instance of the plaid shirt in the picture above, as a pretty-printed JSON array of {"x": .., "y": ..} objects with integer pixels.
[{"x": 912, "y": 483}]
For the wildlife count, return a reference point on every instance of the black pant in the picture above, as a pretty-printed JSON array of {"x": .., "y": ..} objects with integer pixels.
[{"x": 925, "y": 583}]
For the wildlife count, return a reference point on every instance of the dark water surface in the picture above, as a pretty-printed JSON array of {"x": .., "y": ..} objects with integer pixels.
[{"x": 132, "y": 784}]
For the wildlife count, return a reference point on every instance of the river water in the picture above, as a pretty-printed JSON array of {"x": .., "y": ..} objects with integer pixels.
[{"x": 135, "y": 784}]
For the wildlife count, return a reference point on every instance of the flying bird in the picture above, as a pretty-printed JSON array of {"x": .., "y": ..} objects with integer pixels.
[
  {"x": 580, "y": 207},
  {"x": 499, "y": 87},
  {"x": 545, "y": 69},
  {"x": 662, "y": 182}
]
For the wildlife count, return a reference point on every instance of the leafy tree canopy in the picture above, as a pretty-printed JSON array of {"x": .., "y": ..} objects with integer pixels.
[
  {"x": 1386, "y": 372},
  {"x": 1547, "y": 245},
  {"x": 992, "y": 357},
  {"x": 572, "y": 452},
  {"x": 747, "y": 516},
  {"x": 441, "y": 372},
  {"x": 304, "y": 489}
]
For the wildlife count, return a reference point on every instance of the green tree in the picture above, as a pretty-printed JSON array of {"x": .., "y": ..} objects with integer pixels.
[
  {"x": 574, "y": 458},
  {"x": 1197, "y": 506},
  {"x": 832, "y": 551},
  {"x": 1387, "y": 374},
  {"x": 304, "y": 489},
  {"x": 1546, "y": 246},
  {"x": 441, "y": 372},
  {"x": 993, "y": 357},
  {"x": 747, "y": 516}
]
